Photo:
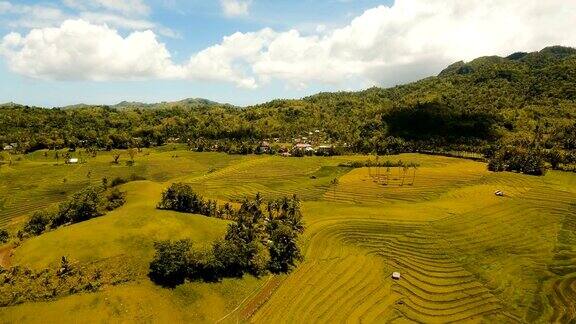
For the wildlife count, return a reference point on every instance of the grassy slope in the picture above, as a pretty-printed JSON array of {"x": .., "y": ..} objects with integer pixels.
[
  {"x": 129, "y": 233},
  {"x": 464, "y": 253}
]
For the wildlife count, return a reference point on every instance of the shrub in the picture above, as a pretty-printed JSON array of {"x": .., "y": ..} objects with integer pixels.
[
  {"x": 115, "y": 199},
  {"x": 284, "y": 250},
  {"x": 228, "y": 256},
  {"x": 259, "y": 260},
  {"x": 83, "y": 206},
  {"x": 118, "y": 181},
  {"x": 180, "y": 197},
  {"x": 37, "y": 224},
  {"x": 170, "y": 265},
  {"x": 4, "y": 236}
]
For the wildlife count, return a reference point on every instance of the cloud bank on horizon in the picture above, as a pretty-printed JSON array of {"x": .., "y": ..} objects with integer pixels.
[{"x": 115, "y": 40}]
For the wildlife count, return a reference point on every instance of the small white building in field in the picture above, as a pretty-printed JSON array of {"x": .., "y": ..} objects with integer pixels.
[
  {"x": 396, "y": 275},
  {"x": 73, "y": 161},
  {"x": 8, "y": 148}
]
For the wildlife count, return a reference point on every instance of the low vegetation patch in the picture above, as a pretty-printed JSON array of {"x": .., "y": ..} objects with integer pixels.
[
  {"x": 121, "y": 180},
  {"x": 19, "y": 285},
  {"x": 264, "y": 238}
]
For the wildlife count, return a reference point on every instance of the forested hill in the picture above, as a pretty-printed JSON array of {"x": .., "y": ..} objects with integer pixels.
[{"x": 524, "y": 100}]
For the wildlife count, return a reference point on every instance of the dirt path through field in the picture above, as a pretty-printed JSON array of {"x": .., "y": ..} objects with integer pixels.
[{"x": 5, "y": 252}]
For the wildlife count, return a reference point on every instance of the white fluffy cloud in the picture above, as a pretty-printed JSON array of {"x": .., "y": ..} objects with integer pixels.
[
  {"x": 384, "y": 45},
  {"x": 409, "y": 40},
  {"x": 232, "y": 8},
  {"x": 78, "y": 50}
]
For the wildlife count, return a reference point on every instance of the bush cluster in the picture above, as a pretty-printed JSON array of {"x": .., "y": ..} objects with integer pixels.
[
  {"x": 264, "y": 238},
  {"x": 121, "y": 180},
  {"x": 20, "y": 285},
  {"x": 86, "y": 204},
  {"x": 527, "y": 161},
  {"x": 4, "y": 236},
  {"x": 181, "y": 197}
]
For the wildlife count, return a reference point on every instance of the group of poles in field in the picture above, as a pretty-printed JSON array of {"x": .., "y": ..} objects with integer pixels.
[{"x": 382, "y": 173}]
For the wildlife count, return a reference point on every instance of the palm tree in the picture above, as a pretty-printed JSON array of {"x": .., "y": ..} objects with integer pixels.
[
  {"x": 414, "y": 167},
  {"x": 405, "y": 169},
  {"x": 334, "y": 184},
  {"x": 387, "y": 164},
  {"x": 368, "y": 164},
  {"x": 377, "y": 169}
]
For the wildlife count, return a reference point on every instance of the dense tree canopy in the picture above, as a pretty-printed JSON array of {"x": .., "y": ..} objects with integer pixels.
[{"x": 263, "y": 238}]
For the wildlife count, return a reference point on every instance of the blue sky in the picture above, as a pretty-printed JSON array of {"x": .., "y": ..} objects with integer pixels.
[{"x": 61, "y": 52}]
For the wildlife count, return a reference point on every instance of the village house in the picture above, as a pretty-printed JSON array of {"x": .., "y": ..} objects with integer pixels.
[{"x": 8, "y": 148}]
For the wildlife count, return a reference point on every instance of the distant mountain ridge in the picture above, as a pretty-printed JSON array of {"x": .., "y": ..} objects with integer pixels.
[{"x": 190, "y": 102}]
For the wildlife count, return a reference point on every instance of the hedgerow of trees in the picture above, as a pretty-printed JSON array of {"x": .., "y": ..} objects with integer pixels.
[
  {"x": 182, "y": 198},
  {"x": 86, "y": 204},
  {"x": 518, "y": 159},
  {"x": 262, "y": 239}
]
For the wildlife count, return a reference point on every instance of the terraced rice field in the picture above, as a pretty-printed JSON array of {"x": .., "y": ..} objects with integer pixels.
[
  {"x": 464, "y": 254},
  {"x": 273, "y": 176}
]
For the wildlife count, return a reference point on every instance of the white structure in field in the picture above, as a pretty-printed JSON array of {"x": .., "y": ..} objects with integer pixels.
[
  {"x": 396, "y": 275},
  {"x": 304, "y": 147},
  {"x": 73, "y": 161}
]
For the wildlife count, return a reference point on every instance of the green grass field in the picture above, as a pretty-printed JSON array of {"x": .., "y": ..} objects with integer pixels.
[{"x": 464, "y": 253}]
